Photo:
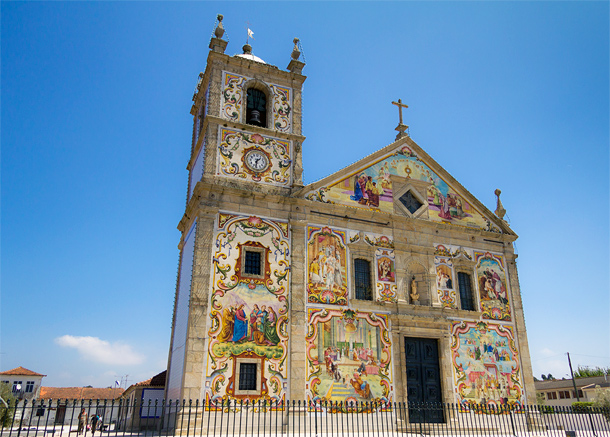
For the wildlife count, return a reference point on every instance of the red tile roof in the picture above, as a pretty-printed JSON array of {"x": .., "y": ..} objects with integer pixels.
[
  {"x": 156, "y": 381},
  {"x": 80, "y": 393},
  {"x": 20, "y": 371}
]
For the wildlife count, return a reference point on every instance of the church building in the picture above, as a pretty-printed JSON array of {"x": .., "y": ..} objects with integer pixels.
[{"x": 386, "y": 281}]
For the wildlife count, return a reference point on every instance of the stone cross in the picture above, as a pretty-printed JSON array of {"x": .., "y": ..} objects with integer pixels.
[
  {"x": 401, "y": 128},
  {"x": 400, "y": 106}
]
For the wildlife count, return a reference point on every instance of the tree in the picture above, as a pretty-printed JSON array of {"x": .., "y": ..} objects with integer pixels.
[
  {"x": 6, "y": 414},
  {"x": 602, "y": 400},
  {"x": 586, "y": 371}
]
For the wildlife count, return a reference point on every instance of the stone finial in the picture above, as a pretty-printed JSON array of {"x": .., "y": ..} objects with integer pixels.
[
  {"x": 296, "y": 66},
  {"x": 296, "y": 53},
  {"x": 247, "y": 48},
  {"x": 217, "y": 44},
  {"x": 500, "y": 211},
  {"x": 220, "y": 30}
]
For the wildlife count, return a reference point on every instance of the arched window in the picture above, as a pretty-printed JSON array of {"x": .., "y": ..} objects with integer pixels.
[{"x": 256, "y": 109}]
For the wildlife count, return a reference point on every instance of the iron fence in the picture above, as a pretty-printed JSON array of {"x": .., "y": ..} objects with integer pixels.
[{"x": 121, "y": 418}]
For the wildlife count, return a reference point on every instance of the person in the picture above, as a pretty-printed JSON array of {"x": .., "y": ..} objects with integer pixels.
[
  {"x": 314, "y": 272},
  {"x": 94, "y": 420},
  {"x": 228, "y": 321},
  {"x": 240, "y": 324},
  {"x": 82, "y": 422},
  {"x": 252, "y": 322},
  {"x": 357, "y": 189},
  {"x": 271, "y": 328},
  {"x": 444, "y": 209}
]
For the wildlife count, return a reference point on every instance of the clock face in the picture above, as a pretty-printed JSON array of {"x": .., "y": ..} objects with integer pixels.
[{"x": 257, "y": 161}]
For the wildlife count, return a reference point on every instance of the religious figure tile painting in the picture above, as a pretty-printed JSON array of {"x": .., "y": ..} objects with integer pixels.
[
  {"x": 248, "y": 307},
  {"x": 492, "y": 286},
  {"x": 386, "y": 275},
  {"x": 445, "y": 281},
  {"x": 371, "y": 188},
  {"x": 348, "y": 357},
  {"x": 486, "y": 364},
  {"x": 327, "y": 269}
]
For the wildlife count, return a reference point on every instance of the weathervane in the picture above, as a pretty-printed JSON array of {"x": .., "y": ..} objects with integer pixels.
[
  {"x": 401, "y": 128},
  {"x": 250, "y": 33}
]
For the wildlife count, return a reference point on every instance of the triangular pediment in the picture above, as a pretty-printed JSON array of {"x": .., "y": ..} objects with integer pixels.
[{"x": 402, "y": 178}]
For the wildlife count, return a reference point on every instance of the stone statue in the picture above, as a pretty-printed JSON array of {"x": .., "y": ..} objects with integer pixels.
[{"x": 414, "y": 293}]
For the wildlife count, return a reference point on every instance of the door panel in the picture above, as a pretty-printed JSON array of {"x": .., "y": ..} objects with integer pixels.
[{"x": 423, "y": 379}]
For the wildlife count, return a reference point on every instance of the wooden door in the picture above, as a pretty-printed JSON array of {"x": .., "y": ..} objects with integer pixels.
[{"x": 423, "y": 380}]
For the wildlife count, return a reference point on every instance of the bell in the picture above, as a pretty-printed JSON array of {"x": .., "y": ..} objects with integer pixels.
[{"x": 255, "y": 117}]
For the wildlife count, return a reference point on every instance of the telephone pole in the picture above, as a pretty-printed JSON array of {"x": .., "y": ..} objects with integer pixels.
[{"x": 573, "y": 380}]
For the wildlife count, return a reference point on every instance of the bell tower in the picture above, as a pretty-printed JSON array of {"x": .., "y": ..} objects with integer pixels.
[
  {"x": 245, "y": 151},
  {"x": 247, "y": 121}
]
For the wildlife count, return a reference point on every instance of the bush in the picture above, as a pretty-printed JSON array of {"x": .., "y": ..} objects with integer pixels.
[
  {"x": 581, "y": 407},
  {"x": 602, "y": 400}
]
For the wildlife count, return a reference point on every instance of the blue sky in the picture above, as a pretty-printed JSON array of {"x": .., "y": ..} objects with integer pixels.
[{"x": 96, "y": 135}]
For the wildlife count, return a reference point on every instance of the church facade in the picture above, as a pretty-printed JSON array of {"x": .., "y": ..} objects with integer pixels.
[{"x": 386, "y": 281}]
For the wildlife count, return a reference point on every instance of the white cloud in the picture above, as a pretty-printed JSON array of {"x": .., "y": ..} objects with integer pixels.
[{"x": 101, "y": 351}]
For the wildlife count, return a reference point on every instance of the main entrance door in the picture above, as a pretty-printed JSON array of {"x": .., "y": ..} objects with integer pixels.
[{"x": 423, "y": 380}]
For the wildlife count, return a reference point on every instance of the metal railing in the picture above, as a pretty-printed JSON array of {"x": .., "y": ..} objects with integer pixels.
[{"x": 120, "y": 418}]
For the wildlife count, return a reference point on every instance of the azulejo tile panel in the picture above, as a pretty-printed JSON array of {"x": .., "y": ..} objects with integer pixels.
[
  {"x": 273, "y": 155},
  {"x": 248, "y": 312},
  {"x": 348, "y": 357},
  {"x": 371, "y": 188},
  {"x": 492, "y": 286},
  {"x": 445, "y": 281},
  {"x": 486, "y": 365},
  {"x": 327, "y": 265}
]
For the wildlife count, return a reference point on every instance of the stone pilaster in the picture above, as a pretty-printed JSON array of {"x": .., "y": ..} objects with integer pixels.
[
  {"x": 298, "y": 313},
  {"x": 197, "y": 328}
]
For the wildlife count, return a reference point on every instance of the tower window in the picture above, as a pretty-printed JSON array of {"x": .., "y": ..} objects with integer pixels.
[
  {"x": 465, "y": 291},
  {"x": 247, "y": 376},
  {"x": 362, "y": 279},
  {"x": 29, "y": 387},
  {"x": 256, "y": 109}
]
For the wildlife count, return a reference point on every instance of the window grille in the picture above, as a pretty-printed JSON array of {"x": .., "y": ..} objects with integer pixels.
[
  {"x": 253, "y": 263},
  {"x": 465, "y": 291},
  {"x": 410, "y": 202},
  {"x": 247, "y": 376},
  {"x": 362, "y": 279}
]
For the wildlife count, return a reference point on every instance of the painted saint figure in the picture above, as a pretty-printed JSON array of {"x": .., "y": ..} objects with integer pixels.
[{"x": 240, "y": 327}]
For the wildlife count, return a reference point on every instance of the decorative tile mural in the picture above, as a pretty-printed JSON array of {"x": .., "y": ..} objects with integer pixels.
[
  {"x": 445, "y": 285},
  {"x": 327, "y": 266},
  {"x": 254, "y": 157},
  {"x": 348, "y": 356},
  {"x": 281, "y": 108},
  {"x": 371, "y": 188},
  {"x": 385, "y": 277},
  {"x": 233, "y": 102},
  {"x": 248, "y": 309},
  {"x": 232, "y": 92},
  {"x": 492, "y": 286},
  {"x": 486, "y": 365}
]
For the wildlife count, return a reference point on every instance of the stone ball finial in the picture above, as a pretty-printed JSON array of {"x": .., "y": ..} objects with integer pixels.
[
  {"x": 500, "y": 211},
  {"x": 247, "y": 48},
  {"x": 296, "y": 53},
  {"x": 220, "y": 31}
]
